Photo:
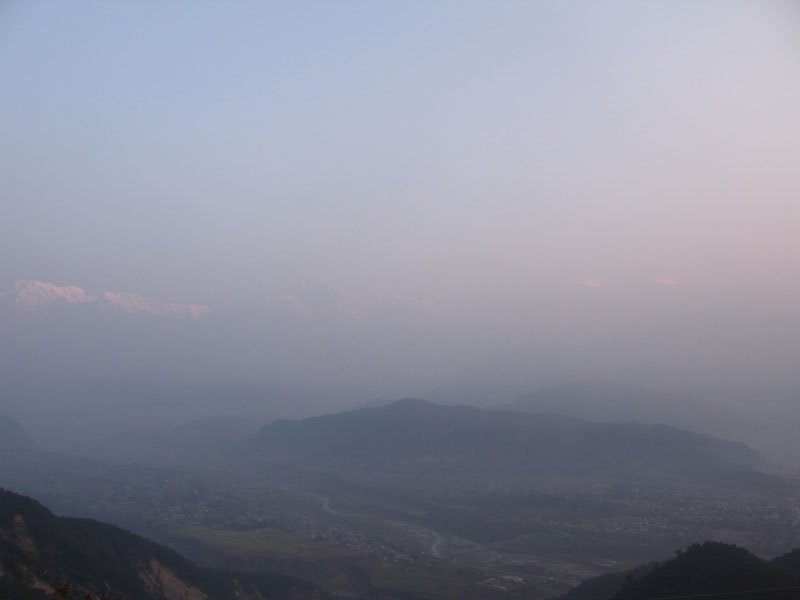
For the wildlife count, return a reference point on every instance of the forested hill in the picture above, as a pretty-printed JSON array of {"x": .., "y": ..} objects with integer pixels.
[
  {"x": 711, "y": 568},
  {"x": 417, "y": 435},
  {"x": 789, "y": 563},
  {"x": 40, "y": 551}
]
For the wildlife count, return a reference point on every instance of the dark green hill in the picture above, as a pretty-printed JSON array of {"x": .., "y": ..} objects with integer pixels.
[
  {"x": 415, "y": 435},
  {"x": 789, "y": 563},
  {"x": 604, "y": 587},
  {"x": 13, "y": 436},
  {"x": 712, "y": 568},
  {"x": 39, "y": 550}
]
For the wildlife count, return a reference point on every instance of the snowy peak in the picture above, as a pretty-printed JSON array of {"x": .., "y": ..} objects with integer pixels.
[
  {"x": 315, "y": 280},
  {"x": 30, "y": 295},
  {"x": 136, "y": 304},
  {"x": 314, "y": 299},
  {"x": 317, "y": 299},
  {"x": 36, "y": 295}
]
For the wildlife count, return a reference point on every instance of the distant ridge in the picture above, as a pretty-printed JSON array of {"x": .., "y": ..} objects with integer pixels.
[
  {"x": 600, "y": 400},
  {"x": 415, "y": 434},
  {"x": 13, "y": 436}
]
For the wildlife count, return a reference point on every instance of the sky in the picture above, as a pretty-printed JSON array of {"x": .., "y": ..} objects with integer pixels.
[{"x": 602, "y": 173}]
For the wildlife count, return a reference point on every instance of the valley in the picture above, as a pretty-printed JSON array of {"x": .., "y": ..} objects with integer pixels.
[
  {"x": 407, "y": 300},
  {"x": 382, "y": 529}
]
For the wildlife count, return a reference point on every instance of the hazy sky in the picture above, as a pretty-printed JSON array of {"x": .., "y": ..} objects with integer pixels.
[
  {"x": 577, "y": 189},
  {"x": 461, "y": 152}
]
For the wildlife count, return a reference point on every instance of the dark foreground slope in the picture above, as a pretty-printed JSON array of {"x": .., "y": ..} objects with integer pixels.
[
  {"x": 39, "y": 551},
  {"x": 789, "y": 563},
  {"x": 712, "y": 569},
  {"x": 419, "y": 436}
]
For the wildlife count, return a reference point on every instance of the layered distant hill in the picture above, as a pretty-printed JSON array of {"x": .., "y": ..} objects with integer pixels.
[
  {"x": 13, "y": 436},
  {"x": 202, "y": 442},
  {"x": 40, "y": 551},
  {"x": 415, "y": 435},
  {"x": 616, "y": 401},
  {"x": 711, "y": 569}
]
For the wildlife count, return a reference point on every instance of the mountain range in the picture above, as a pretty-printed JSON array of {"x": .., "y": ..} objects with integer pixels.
[
  {"x": 313, "y": 299},
  {"x": 30, "y": 295}
]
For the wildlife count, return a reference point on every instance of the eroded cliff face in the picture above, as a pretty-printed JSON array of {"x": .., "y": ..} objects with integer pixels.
[
  {"x": 161, "y": 582},
  {"x": 40, "y": 552}
]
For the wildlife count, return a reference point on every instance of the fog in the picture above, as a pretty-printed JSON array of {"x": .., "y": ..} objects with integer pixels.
[{"x": 283, "y": 209}]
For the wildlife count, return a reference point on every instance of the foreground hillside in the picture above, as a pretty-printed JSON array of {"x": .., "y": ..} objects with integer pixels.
[
  {"x": 709, "y": 569},
  {"x": 40, "y": 551}
]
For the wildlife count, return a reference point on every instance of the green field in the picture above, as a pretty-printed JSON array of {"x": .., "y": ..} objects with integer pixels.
[
  {"x": 259, "y": 543},
  {"x": 431, "y": 578}
]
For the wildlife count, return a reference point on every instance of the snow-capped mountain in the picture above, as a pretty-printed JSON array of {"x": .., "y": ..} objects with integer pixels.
[
  {"x": 134, "y": 304},
  {"x": 314, "y": 299},
  {"x": 31, "y": 296},
  {"x": 38, "y": 295}
]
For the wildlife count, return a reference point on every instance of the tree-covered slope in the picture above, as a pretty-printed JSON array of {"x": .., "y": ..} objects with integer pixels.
[
  {"x": 789, "y": 563},
  {"x": 39, "y": 551},
  {"x": 604, "y": 587},
  {"x": 714, "y": 569},
  {"x": 417, "y": 435}
]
